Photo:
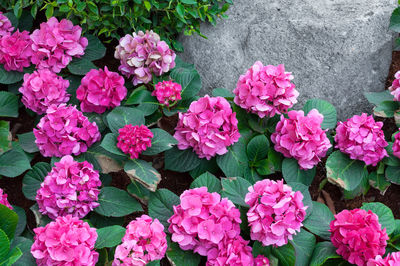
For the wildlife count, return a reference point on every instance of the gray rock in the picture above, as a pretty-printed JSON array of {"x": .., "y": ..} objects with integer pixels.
[{"x": 336, "y": 49}]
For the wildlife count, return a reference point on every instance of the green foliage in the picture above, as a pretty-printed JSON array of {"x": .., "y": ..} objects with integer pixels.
[
  {"x": 326, "y": 109},
  {"x": 115, "y": 202},
  {"x": 292, "y": 173},
  {"x": 386, "y": 218},
  {"x": 207, "y": 180},
  {"x": 319, "y": 220},
  {"x": 161, "y": 205},
  {"x": 33, "y": 178},
  {"x": 109, "y": 236},
  {"x": 144, "y": 173}
]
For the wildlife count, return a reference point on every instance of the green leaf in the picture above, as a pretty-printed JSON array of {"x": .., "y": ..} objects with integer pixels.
[
  {"x": 80, "y": 66},
  {"x": 181, "y": 160},
  {"x": 189, "y": 79},
  {"x": 140, "y": 95},
  {"x": 343, "y": 171},
  {"x": 189, "y": 2},
  {"x": 13, "y": 163},
  {"x": 121, "y": 116},
  {"x": 109, "y": 143},
  {"x": 21, "y": 220},
  {"x": 395, "y": 20},
  {"x": 326, "y": 109},
  {"x": 10, "y": 77},
  {"x": 285, "y": 254},
  {"x": 161, "y": 205},
  {"x": 95, "y": 49},
  {"x": 307, "y": 201},
  {"x": 377, "y": 97},
  {"x": 25, "y": 21},
  {"x": 386, "y": 218},
  {"x": 180, "y": 10},
  {"x": 8, "y": 104},
  {"x": 386, "y": 108},
  {"x": 24, "y": 244},
  {"x": 391, "y": 160},
  {"x": 235, "y": 161},
  {"x": 34, "y": 178},
  {"x": 292, "y": 173},
  {"x": 160, "y": 142},
  {"x": 147, "y": 5},
  {"x": 235, "y": 189},
  {"x": 102, "y": 160},
  {"x": 144, "y": 173},
  {"x": 322, "y": 252},
  {"x": 115, "y": 202},
  {"x": 138, "y": 191},
  {"x": 257, "y": 148},
  {"x": 392, "y": 173},
  {"x": 41, "y": 219},
  {"x": 205, "y": 166},
  {"x": 379, "y": 182},
  {"x": 49, "y": 11},
  {"x": 4, "y": 244},
  {"x": 303, "y": 243},
  {"x": 27, "y": 142},
  {"x": 8, "y": 221},
  {"x": 181, "y": 257},
  {"x": 319, "y": 220},
  {"x": 264, "y": 167},
  {"x": 5, "y": 136},
  {"x": 222, "y": 93},
  {"x": 207, "y": 180},
  {"x": 109, "y": 237},
  {"x": 99, "y": 221}
]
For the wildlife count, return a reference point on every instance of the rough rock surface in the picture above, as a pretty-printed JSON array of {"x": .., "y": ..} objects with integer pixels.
[{"x": 336, "y": 49}]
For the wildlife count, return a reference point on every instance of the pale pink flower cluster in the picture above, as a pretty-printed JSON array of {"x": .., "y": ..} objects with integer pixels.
[
  {"x": 142, "y": 55},
  {"x": 202, "y": 220},
  {"x": 392, "y": 259},
  {"x": 4, "y": 200},
  {"x": 302, "y": 138},
  {"x": 16, "y": 51},
  {"x": 276, "y": 212},
  {"x": 144, "y": 241},
  {"x": 66, "y": 241},
  {"x": 133, "y": 140},
  {"x": 167, "y": 92},
  {"x": 231, "y": 251},
  {"x": 362, "y": 138},
  {"x": 266, "y": 90},
  {"x": 396, "y": 145},
  {"x": 358, "y": 236},
  {"x": 63, "y": 131},
  {"x": 209, "y": 127},
  {"x": 55, "y": 43},
  {"x": 70, "y": 188},
  {"x": 43, "y": 88},
  {"x": 5, "y": 25},
  {"x": 395, "y": 88},
  {"x": 101, "y": 90}
]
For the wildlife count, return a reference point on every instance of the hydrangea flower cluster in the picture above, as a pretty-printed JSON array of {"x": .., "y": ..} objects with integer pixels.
[
  {"x": 276, "y": 212},
  {"x": 362, "y": 138},
  {"x": 395, "y": 88},
  {"x": 392, "y": 259},
  {"x": 101, "y": 90},
  {"x": 231, "y": 251},
  {"x": 70, "y": 188},
  {"x": 167, "y": 92},
  {"x": 302, "y": 138},
  {"x": 358, "y": 236},
  {"x": 55, "y": 43},
  {"x": 209, "y": 126},
  {"x": 43, "y": 88},
  {"x": 260, "y": 260},
  {"x": 4, "y": 200},
  {"x": 65, "y": 241},
  {"x": 63, "y": 131},
  {"x": 142, "y": 55},
  {"x": 144, "y": 241},
  {"x": 5, "y": 25},
  {"x": 133, "y": 140},
  {"x": 202, "y": 220},
  {"x": 15, "y": 51},
  {"x": 266, "y": 90},
  {"x": 396, "y": 145}
]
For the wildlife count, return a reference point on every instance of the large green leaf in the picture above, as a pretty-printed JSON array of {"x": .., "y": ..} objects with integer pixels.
[
  {"x": 8, "y": 104},
  {"x": 378, "y": 181},
  {"x": 27, "y": 142},
  {"x": 144, "y": 173},
  {"x": 395, "y": 20},
  {"x": 4, "y": 245},
  {"x": 326, "y": 109},
  {"x": 140, "y": 95},
  {"x": 322, "y": 252},
  {"x": 292, "y": 173},
  {"x": 235, "y": 189},
  {"x": 13, "y": 163},
  {"x": 160, "y": 142},
  {"x": 95, "y": 49},
  {"x": 189, "y": 79},
  {"x": 207, "y": 180},
  {"x": 138, "y": 191},
  {"x": 386, "y": 108},
  {"x": 392, "y": 173},
  {"x": 24, "y": 244},
  {"x": 179, "y": 257},
  {"x": 21, "y": 220},
  {"x": 235, "y": 161},
  {"x": 285, "y": 254},
  {"x": 109, "y": 143},
  {"x": 10, "y": 77},
  {"x": 5, "y": 136},
  {"x": 80, "y": 66},
  {"x": 121, "y": 116},
  {"x": 181, "y": 160},
  {"x": 34, "y": 178},
  {"x": 98, "y": 221},
  {"x": 303, "y": 243},
  {"x": 161, "y": 205},
  {"x": 385, "y": 214},
  {"x": 115, "y": 202},
  {"x": 109, "y": 236},
  {"x": 102, "y": 160},
  {"x": 8, "y": 221},
  {"x": 319, "y": 220},
  {"x": 257, "y": 148},
  {"x": 378, "y": 97}
]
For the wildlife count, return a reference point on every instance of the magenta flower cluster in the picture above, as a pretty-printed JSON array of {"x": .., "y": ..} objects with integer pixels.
[
  {"x": 133, "y": 140},
  {"x": 362, "y": 139},
  {"x": 101, "y": 90},
  {"x": 302, "y": 138},
  {"x": 396, "y": 145},
  {"x": 71, "y": 188},
  {"x": 4, "y": 200},
  {"x": 209, "y": 127},
  {"x": 66, "y": 241},
  {"x": 55, "y": 43},
  {"x": 276, "y": 212},
  {"x": 358, "y": 236},
  {"x": 231, "y": 251},
  {"x": 16, "y": 51},
  {"x": 63, "y": 131},
  {"x": 266, "y": 90},
  {"x": 142, "y": 55},
  {"x": 43, "y": 88},
  {"x": 395, "y": 88},
  {"x": 392, "y": 259},
  {"x": 167, "y": 92},
  {"x": 144, "y": 241},
  {"x": 5, "y": 25}
]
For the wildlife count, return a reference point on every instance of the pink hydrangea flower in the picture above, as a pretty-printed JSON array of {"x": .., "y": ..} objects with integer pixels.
[
  {"x": 392, "y": 259},
  {"x": 5, "y": 25},
  {"x": 142, "y": 55},
  {"x": 101, "y": 90},
  {"x": 167, "y": 92},
  {"x": 43, "y": 88},
  {"x": 276, "y": 212},
  {"x": 209, "y": 127},
  {"x": 63, "y": 131},
  {"x": 15, "y": 51},
  {"x": 231, "y": 251},
  {"x": 260, "y": 260},
  {"x": 4, "y": 200},
  {"x": 133, "y": 140},
  {"x": 66, "y": 241},
  {"x": 143, "y": 242},
  {"x": 358, "y": 236},
  {"x": 266, "y": 90},
  {"x": 202, "y": 220},
  {"x": 302, "y": 138},
  {"x": 396, "y": 145},
  {"x": 55, "y": 43},
  {"x": 70, "y": 188},
  {"x": 395, "y": 88},
  {"x": 362, "y": 138}
]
